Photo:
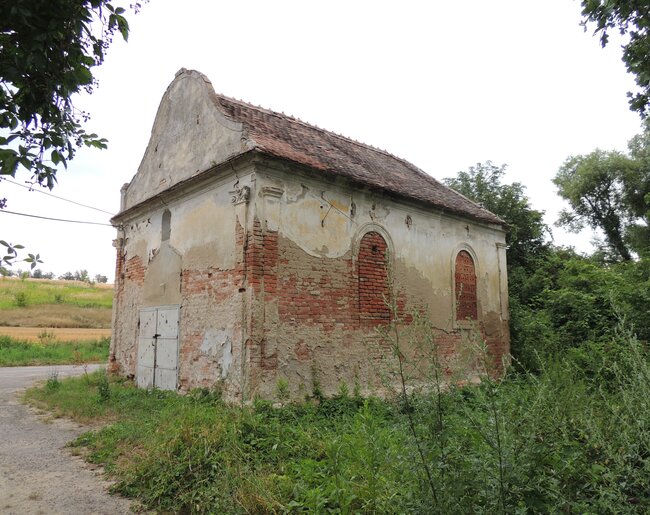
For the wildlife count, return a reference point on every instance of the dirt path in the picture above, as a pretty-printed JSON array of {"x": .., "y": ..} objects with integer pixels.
[{"x": 37, "y": 473}]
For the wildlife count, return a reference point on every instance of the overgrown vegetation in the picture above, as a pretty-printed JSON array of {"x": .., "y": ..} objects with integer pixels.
[
  {"x": 570, "y": 439},
  {"x": 15, "y": 352}
]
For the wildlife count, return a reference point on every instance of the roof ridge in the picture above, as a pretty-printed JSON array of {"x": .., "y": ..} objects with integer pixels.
[{"x": 321, "y": 129}]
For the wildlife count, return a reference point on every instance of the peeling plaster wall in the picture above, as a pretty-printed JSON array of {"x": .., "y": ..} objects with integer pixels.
[
  {"x": 312, "y": 332},
  {"x": 268, "y": 286},
  {"x": 201, "y": 268},
  {"x": 189, "y": 135}
]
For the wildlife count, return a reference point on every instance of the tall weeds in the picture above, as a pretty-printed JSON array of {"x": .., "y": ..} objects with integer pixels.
[{"x": 569, "y": 439}]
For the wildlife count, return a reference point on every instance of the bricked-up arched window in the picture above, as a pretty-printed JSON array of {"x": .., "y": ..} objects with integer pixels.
[
  {"x": 166, "y": 225},
  {"x": 465, "y": 287},
  {"x": 373, "y": 279}
]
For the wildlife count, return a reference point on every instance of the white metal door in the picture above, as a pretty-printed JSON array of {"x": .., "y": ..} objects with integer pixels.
[{"x": 158, "y": 348}]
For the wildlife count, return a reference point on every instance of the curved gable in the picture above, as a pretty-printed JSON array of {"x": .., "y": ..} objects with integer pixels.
[{"x": 190, "y": 134}]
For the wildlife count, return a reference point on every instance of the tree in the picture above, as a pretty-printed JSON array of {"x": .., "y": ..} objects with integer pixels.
[
  {"x": 526, "y": 228},
  {"x": 39, "y": 274},
  {"x": 102, "y": 279},
  {"x": 48, "y": 50},
  {"x": 82, "y": 275},
  {"x": 610, "y": 191},
  {"x": 593, "y": 185},
  {"x": 632, "y": 19}
]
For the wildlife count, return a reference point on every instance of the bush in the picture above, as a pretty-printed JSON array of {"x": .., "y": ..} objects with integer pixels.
[
  {"x": 20, "y": 299},
  {"x": 570, "y": 301}
]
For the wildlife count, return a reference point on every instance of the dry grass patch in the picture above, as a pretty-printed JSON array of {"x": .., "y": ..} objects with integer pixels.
[
  {"x": 57, "y": 315},
  {"x": 43, "y": 335}
]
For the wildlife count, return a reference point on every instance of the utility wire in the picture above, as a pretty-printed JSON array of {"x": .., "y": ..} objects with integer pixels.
[
  {"x": 55, "y": 196},
  {"x": 54, "y": 219}
]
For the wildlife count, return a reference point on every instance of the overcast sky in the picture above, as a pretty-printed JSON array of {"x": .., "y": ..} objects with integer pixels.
[{"x": 444, "y": 85}]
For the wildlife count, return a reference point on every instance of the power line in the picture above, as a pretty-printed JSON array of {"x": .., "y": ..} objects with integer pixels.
[
  {"x": 55, "y": 219},
  {"x": 55, "y": 196}
]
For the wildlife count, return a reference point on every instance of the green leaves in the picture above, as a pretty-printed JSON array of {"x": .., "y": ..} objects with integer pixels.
[
  {"x": 610, "y": 191},
  {"x": 11, "y": 252},
  {"x": 34, "y": 260},
  {"x": 631, "y": 19},
  {"x": 11, "y": 255},
  {"x": 526, "y": 231},
  {"x": 49, "y": 49}
]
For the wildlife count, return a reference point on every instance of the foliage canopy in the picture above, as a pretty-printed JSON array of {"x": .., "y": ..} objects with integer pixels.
[
  {"x": 632, "y": 19},
  {"x": 610, "y": 191},
  {"x": 48, "y": 51},
  {"x": 527, "y": 230}
]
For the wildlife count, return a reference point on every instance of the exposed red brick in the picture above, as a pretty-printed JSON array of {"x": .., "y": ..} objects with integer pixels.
[
  {"x": 314, "y": 291},
  {"x": 302, "y": 351},
  {"x": 465, "y": 287},
  {"x": 373, "y": 279},
  {"x": 135, "y": 270}
]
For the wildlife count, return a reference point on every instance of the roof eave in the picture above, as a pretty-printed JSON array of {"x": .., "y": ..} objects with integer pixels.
[{"x": 492, "y": 220}]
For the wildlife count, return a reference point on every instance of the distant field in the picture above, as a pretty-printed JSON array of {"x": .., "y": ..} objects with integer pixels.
[
  {"x": 50, "y": 303},
  {"x": 41, "y": 334}
]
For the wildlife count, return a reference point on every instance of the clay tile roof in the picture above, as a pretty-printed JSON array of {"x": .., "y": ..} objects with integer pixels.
[{"x": 288, "y": 138}]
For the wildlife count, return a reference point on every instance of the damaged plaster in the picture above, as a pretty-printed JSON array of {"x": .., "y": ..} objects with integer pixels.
[{"x": 263, "y": 254}]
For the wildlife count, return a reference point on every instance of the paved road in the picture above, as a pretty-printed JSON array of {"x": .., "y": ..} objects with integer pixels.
[{"x": 37, "y": 473}]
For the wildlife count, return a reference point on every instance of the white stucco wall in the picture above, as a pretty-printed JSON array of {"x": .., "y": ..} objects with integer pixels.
[{"x": 189, "y": 135}]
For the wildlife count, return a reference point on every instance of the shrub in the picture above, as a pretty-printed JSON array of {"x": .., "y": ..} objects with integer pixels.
[{"x": 20, "y": 299}]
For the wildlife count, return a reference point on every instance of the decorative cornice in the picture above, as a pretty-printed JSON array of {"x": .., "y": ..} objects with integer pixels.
[{"x": 272, "y": 191}]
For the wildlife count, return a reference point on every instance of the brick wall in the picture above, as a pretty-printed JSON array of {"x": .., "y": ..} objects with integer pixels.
[
  {"x": 315, "y": 318},
  {"x": 465, "y": 287},
  {"x": 211, "y": 305},
  {"x": 134, "y": 271},
  {"x": 373, "y": 291},
  {"x": 129, "y": 281},
  {"x": 315, "y": 291}
]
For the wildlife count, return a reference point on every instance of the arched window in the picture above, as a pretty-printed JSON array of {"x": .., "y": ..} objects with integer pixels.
[
  {"x": 166, "y": 225},
  {"x": 373, "y": 279},
  {"x": 465, "y": 287}
]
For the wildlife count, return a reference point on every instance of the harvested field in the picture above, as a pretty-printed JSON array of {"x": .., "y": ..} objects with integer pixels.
[
  {"x": 56, "y": 315},
  {"x": 54, "y": 334}
]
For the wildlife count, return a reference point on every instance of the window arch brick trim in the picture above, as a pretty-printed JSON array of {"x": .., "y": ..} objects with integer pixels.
[{"x": 372, "y": 227}]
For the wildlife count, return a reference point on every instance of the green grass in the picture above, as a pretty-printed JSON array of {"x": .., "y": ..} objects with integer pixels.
[
  {"x": 571, "y": 439},
  {"x": 15, "y": 294},
  {"x": 22, "y": 353}
]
